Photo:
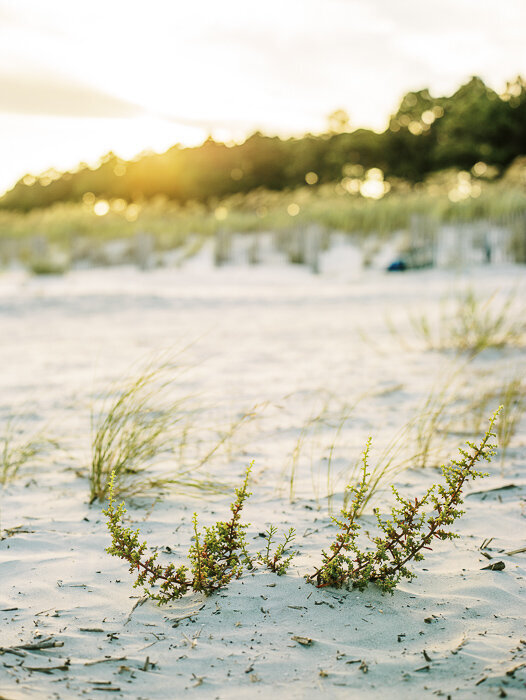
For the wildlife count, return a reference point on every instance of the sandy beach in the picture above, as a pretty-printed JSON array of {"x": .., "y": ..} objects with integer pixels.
[{"x": 320, "y": 362}]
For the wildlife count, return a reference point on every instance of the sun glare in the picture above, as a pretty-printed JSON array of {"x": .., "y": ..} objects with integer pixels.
[
  {"x": 374, "y": 185},
  {"x": 101, "y": 208},
  {"x": 119, "y": 205},
  {"x": 293, "y": 209},
  {"x": 132, "y": 212}
]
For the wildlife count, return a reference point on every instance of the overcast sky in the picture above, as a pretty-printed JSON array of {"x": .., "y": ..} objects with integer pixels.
[{"x": 80, "y": 79}]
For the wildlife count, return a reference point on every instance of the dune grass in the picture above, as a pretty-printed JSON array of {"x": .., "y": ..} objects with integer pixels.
[
  {"x": 418, "y": 444},
  {"x": 45, "y": 266},
  {"x": 80, "y": 233},
  {"x": 511, "y": 395},
  {"x": 137, "y": 423},
  {"x": 144, "y": 436},
  {"x": 129, "y": 431},
  {"x": 433, "y": 420},
  {"x": 345, "y": 416},
  {"x": 315, "y": 422},
  {"x": 325, "y": 435},
  {"x": 19, "y": 450},
  {"x": 468, "y": 324},
  {"x": 318, "y": 443}
]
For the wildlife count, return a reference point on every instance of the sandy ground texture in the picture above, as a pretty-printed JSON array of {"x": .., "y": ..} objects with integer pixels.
[{"x": 320, "y": 362}]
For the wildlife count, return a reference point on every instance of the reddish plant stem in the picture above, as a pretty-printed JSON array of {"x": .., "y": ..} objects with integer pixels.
[
  {"x": 426, "y": 539},
  {"x": 174, "y": 580}
]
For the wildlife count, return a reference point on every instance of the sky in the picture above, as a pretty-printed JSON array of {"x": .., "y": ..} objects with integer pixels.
[{"x": 80, "y": 79}]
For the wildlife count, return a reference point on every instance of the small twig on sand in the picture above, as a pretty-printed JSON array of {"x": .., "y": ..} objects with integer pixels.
[
  {"x": 103, "y": 661},
  {"x": 511, "y": 672},
  {"x": 47, "y": 643},
  {"x": 484, "y": 492},
  {"x": 136, "y": 605},
  {"x": 11, "y": 650},
  {"x": 459, "y": 645},
  {"x": 516, "y": 551},
  {"x": 177, "y": 620},
  {"x": 47, "y": 669},
  {"x": 193, "y": 642}
]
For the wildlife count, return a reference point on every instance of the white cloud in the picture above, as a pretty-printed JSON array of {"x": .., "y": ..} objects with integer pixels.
[{"x": 47, "y": 93}]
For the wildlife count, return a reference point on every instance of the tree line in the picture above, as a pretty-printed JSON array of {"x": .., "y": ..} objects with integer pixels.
[{"x": 473, "y": 126}]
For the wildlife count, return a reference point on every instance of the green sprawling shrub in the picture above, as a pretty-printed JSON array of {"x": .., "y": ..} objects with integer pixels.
[
  {"x": 404, "y": 536},
  {"x": 219, "y": 553}
]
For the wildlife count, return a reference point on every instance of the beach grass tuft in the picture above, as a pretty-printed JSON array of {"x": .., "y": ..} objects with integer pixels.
[
  {"x": 512, "y": 397},
  {"x": 137, "y": 422},
  {"x": 129, "y": 430},
  {"x": 18, "y": 450},
  {"x": 469, "y": 324}
]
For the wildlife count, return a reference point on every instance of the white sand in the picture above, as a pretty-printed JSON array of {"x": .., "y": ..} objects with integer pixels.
[{"x": 297, "y": 341}]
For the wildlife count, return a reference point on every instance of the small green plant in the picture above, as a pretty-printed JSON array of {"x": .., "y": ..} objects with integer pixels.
[
  {"x": 277, "y": 561},
  {"x": 407, "y": 533},
  {"x": 217, "y": 555},
  {"x": 392, "y": 460}
]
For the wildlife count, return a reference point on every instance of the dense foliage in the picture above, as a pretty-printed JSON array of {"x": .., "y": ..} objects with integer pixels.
[{"x": 473, "y": 126}]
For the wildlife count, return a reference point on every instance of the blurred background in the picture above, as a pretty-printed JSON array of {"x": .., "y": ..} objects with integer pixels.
[{"x": 148, "y": 135}]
